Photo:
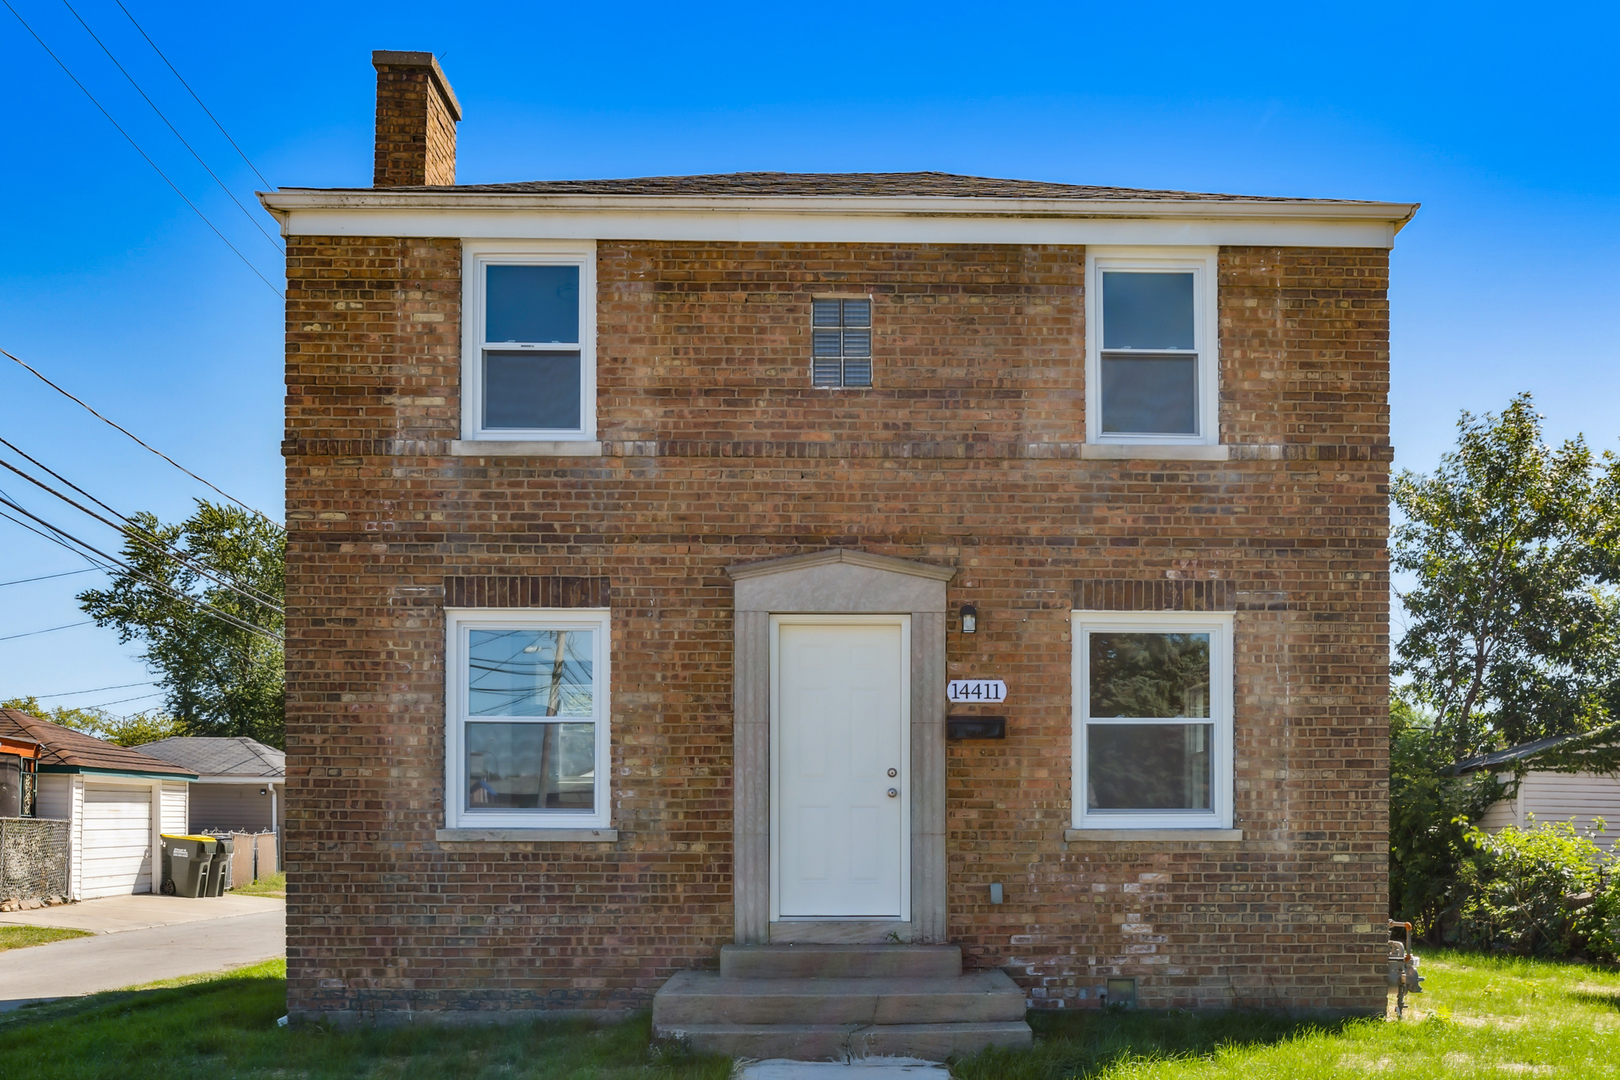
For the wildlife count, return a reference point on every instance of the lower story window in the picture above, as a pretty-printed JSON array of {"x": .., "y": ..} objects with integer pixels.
[
  {"x": 1153, "y": 720},
  {"x": 527, "y": 732}
]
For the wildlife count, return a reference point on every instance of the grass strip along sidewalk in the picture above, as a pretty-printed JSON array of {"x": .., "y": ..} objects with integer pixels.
[
  {"x": 1480, "y": 1016},
  {"x": 21, "y": 937}
]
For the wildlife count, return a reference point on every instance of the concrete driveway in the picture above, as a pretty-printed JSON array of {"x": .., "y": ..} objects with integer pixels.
[{"x": 139, "y": 939}]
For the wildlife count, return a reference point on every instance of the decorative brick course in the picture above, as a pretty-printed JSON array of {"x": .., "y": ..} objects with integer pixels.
[{"x": 717, "y": 451}]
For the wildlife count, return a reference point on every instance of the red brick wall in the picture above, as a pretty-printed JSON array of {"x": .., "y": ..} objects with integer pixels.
[{"x": 716, "y": 451}]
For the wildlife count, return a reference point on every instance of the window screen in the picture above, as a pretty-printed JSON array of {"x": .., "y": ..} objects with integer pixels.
[
  {"x": 1149, "y": 356},
  {"x": 841, "y": 343}
]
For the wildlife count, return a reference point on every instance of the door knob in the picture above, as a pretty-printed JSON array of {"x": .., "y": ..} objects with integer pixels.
[
  {"x": 894, "y": 772},
  {"x": 894, "y": 793}
]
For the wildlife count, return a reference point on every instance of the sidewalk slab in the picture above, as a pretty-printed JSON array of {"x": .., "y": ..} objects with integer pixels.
[
  {"x": 115, "y": 914},
  {"x": 110, "y": 961},
  {"x": 859, "y": 1069}
]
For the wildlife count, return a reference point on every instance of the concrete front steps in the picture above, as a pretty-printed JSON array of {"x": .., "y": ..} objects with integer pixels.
[{"x": 838, "y": 1002}]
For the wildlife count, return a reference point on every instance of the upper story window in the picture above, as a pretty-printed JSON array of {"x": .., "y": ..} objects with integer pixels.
[
  {"x": 1151, "y": 366},
  {"x": 1153, "y": 720},
  {"x": 529, "y": 369},
  {"x": 841, "y": 342},
  {"x": 527, "y": 729}
]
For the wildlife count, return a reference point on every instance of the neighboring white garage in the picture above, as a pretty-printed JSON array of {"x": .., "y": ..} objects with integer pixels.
[{"x": 116, "y": 802}]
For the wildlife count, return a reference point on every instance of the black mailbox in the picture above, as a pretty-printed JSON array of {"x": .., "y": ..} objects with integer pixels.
[{"x": 975, "y": 727}]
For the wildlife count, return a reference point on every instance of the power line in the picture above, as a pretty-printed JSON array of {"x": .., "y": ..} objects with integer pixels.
[
  {"x": 181, "y": 556},
  {"x": 47, "y": 630},
  {"x": 245, "y": 212},
  {"x": 193, "y": 93},
  {"x": 93, "y": 690},
  {"x": 47, "y": 577},
  {"x": 138, "y": 534},
  {"x": 130, "y": 139},
  {"x": 126, "y": 431},
  {"x": 223, "y": 616},
  {"x": 120, "y": 701}
]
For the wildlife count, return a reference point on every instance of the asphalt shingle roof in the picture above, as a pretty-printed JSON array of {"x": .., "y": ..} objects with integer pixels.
[
  {"x": 60, "y": 745},
  {"x": 239, "y": 756},
  {"x": 855, "y": 185}
]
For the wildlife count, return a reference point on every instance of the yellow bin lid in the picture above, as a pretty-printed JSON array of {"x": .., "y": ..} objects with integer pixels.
[{"x": 177, "y": 836}]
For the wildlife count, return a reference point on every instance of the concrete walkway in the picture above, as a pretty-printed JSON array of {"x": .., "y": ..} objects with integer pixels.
[
  {"x": 861, "y": 1069},
  {"x": 113, "y": 914},
  {"x": 139, "y": 939}
]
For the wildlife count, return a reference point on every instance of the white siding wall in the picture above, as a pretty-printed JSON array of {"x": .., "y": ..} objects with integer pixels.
[
  {"x": 175, "y": 818},
  {"x": 230, "y": 806},
  {"x": 1577, "y": 797}
]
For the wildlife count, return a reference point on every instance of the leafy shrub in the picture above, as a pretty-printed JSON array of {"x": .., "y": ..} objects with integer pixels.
[
  {"x": 1429, "y": 814},
  {"x": 1542, "y": 891}
]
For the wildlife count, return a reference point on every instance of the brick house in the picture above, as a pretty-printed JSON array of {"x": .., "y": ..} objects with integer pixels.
[{"x": 650, "y": 539}]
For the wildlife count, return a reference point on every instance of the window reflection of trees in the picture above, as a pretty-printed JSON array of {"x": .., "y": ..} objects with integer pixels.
[{"x": 1149, "y": 766}]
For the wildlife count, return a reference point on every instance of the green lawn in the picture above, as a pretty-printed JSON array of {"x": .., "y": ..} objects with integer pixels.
[
  {"x": 20, "y": 937},
  {"x": 1481, "y": 1016},
  {"x": 274, "y": 885},
  {"x": 1478, "y": 1016}
]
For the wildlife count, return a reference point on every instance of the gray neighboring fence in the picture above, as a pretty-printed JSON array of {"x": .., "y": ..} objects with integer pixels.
[
  {"x": 254, "y": 857},
  {"x": 33, "y": 858}
]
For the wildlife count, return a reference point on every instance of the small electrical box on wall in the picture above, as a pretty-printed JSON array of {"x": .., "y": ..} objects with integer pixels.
[{"x": 975, "y": 727}]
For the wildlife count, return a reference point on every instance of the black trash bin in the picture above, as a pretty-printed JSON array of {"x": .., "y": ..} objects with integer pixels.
[
  {"x": 187, "y": 861},
  {"x": 224, "y": 847}
]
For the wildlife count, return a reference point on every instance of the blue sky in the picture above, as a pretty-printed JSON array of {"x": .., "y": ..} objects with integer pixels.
[{"x": 1500, "y": 120}]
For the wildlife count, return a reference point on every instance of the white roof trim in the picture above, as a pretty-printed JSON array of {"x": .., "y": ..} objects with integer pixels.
[{"x": 833, "y": 218}]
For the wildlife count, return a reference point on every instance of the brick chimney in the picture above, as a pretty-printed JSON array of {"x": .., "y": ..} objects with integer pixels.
[{"x": 417, "y": 113}]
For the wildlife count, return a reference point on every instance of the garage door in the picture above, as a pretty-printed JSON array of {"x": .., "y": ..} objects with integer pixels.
[{"x": 117, "y": 856}]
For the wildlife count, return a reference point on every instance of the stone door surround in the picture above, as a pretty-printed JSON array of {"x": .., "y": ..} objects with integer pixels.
[{"x": 837, "y": 581}]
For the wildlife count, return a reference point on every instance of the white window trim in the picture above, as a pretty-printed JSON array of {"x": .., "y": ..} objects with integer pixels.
[
  {"x": 458, "y": 622},
  {"x": 1206, "y": 329},
  {"x": 480, "y": 254},
  {"x": 1219, "y": 628}
]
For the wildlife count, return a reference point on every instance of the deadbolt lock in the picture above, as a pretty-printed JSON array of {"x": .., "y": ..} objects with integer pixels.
[
  {"x": 894, "y": 772},
  {"x": 894, "y": 793}
]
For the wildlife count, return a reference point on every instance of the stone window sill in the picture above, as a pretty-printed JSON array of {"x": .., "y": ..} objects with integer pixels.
[
  {"x": 525, "y": 836},
  {"x": 1189, "y": 835},
  {"x": 1153, "y": 452},
  {"x": 525, "y": 448}
]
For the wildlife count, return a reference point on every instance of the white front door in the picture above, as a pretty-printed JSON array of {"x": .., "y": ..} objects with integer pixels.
[{"x": 841, "y": 818}]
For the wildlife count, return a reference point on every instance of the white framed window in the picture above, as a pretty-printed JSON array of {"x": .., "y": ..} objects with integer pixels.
[
  {"x": 1152, "y": 720},
  {"x": 841, "y": 341},
  {"x": 1152, "y": 358},
  {"x": 528, "y": 341},
  {"x": 526, "y": 725}
]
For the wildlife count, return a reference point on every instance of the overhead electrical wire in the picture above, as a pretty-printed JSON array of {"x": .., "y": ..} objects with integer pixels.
[
  {"x": 147, "y": 158},
  {"x": 201, "y": 605},
  {"x": 47, "y": 577},
  {"x": 184, "y": 559},
  {"x": 79, "y": 402},
  {"x": 245, "y": 211},
  {"x": 120, "y": 701},
  {"x": 94, "y": 690},
  {"x": 193, "y": 94},
  {"x": 140, "y": 535},
  {"x": 13, "y": 637}
]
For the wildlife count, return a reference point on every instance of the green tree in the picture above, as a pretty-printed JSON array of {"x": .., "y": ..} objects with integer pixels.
[
  {"x": 210, "y": 618},
  {"x": 1430, "y": 810},
  {"x": 142, "y": 727},
  {"x": 1513, "y": 629}
]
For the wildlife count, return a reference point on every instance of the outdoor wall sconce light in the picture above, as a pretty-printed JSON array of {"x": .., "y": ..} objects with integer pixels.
[{"x": 970, "y": 619}]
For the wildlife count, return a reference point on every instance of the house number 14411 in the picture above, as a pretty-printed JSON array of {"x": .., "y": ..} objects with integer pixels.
[{"x": 970, "y": 691}]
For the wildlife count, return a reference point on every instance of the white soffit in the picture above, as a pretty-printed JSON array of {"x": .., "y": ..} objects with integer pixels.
[{"x": 833, "y": 219}]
